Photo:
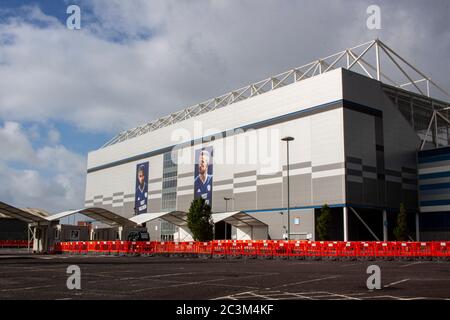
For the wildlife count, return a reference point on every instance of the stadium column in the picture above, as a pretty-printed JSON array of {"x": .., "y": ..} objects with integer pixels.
[
  {"x": 345, "y": 220},
  {"x": 417, "y": 227},
  {"x": 385, "y": 226}
]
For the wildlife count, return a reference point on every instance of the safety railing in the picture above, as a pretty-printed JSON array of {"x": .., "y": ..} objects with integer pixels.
[{"x": 264, "y": 249}]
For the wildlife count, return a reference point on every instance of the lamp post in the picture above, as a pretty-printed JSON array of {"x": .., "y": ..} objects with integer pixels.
[
  {"x": 226, "y": 210},
  {"x": 288, "y": 139}
]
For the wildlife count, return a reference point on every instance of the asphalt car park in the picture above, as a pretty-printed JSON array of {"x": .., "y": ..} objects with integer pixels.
[{"x": 26, "y": 276}]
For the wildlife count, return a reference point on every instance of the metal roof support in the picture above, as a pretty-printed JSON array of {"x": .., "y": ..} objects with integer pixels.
[{"x": 309, "y": 70}]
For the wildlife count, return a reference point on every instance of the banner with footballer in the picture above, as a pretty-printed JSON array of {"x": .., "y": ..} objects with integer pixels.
[
  {"x": 203, "y": 174},
  {"x": 141, "y": 194}
]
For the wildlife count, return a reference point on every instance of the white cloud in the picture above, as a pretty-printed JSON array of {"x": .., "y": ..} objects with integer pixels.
[
  {"x": 14, "y": 143},
  {"x": 53, "y": 136},
  {"x": 174, "y": 54},
  {"x": 53, "y": 178}
]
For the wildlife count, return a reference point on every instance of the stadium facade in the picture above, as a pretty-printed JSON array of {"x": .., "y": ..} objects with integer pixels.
[{"x": 356, "y": 148}]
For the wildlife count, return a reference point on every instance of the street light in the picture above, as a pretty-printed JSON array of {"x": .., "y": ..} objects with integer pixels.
[
  {"x": 226, "y": 210},
  {"x": 288, "y": 139}
]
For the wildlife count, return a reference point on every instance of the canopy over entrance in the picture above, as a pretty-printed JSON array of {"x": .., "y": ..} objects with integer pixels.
[
  {"x": 247, "y": 226},
  {"x": 178, "y": 218},
  {"x": 27, "y": 215},
  {"x": 98, "y": 214}
]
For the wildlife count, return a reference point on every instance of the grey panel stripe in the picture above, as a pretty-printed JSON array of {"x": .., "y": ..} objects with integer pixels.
[
  {"x": 98, "y": 197},
  {"x": 155, "y": 180},
  {"x": 434, "y": 164},
  {"x": 223, "y": 182},
  {"x": 186, "y": 188},
  {"x": 409, "y": 181},
  {"x": 117, "y": 194},
  {"x": 409, "y": 170},
  {"x": 392, "y": 173},
  {"x": 332, "y": 166},
  {"x": 353, "y": 160},
  {"x": 89, "y": 201},
  {"x": 154, "y": 192},
  {"x": 299, "y": 165},
  {"x": 118, "y": 201},
  {"x": 186, "y": 175},
  {"x": 131, "y": 195},
  {"x": 269, "y": 176},
  {"x": 356, "y": 173},
  {"x": 245, "y": 184},
  {"x": 107, "y": 198},
  {"x": 245, "y": 174},
  {"x": 370, "y": 169}
]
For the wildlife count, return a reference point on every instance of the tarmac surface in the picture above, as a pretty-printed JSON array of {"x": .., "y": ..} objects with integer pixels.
[{"x": 25, "y": 276}]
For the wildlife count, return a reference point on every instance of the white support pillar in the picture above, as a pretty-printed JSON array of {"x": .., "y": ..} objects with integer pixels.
[
  {"x": 345, "y": 219},
  {"x": 91, "y": 234},
  {"x": 385, "y": 226},
  {"x": 120, "y": 229},
  {"x": 417, "y": 227}
]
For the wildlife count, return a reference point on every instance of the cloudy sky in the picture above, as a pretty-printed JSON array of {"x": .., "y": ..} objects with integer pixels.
[{"x": 66, "y": 92}]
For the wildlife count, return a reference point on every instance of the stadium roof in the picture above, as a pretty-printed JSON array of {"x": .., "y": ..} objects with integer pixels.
[{"x": 366, "y": 59}]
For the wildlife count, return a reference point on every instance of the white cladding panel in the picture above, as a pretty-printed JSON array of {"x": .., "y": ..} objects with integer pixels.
[{"x": 304, "y": 94}]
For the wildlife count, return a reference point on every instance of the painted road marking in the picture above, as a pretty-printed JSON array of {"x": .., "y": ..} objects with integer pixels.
[{"x": 396, "y": 282}]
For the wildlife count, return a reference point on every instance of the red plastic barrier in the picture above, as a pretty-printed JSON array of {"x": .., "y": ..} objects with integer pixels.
[
  {"x": 204, "y": 248},
  {"x": 281, "y": 248},
  {"x": 219, "y": 248},
  {"x": 441, "y": 249},
  {"x": 424, "y": 249},
  {"x": 330, "y": 249},
  {"x": 313, "y": 249},
  {"x": 349, "y": 249},
  {"x": 385, "y": 249},
  {"x": 14, "y": 243},
  {"x": 366, "y": 249},
  {"x": 265, "y": 249},
  {"x": 249, "y": 249}
]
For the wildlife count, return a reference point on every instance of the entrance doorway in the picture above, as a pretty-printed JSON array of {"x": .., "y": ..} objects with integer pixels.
[{"x": 222, "y": 231}]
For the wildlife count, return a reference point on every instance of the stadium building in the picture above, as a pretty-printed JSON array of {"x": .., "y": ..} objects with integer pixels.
[{"x": 360, "y": 141}]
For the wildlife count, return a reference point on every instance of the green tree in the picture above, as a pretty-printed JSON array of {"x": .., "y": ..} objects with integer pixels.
[
  {"x": 199, "y": 220},
  {"x": 401, "y": 229},
  {"x": 323, "y": 223}
]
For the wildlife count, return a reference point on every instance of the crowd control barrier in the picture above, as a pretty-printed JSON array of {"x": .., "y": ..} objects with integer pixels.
[
  {"x": 15, "y": 243},
  {"x": 268, "y": 249}
]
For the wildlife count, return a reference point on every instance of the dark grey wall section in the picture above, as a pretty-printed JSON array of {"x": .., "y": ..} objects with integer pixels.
[
  {"x": 300, "y": 190},
  {"x": 277, "y": 222},
  {"x": 184, "y": 201},
  {"x": 270, "y": 196},
  {"x": 354, "y": 192},
  {"x": 245, "y": 174},
  {"x": 245, "y": 184},
  {"x": 269, "y": 176},
  {"x": 370, "y": 191},
  {"x": 186, "y": 175},
  {"x": 328, "y": 190},
  {"x": 154, "y": 205},
  {"x": 222, "y": 182},
  {"x": 154, "y": 229},
  {"x": 245, "y": 201},
  {"x": 219, "y": 202}
]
